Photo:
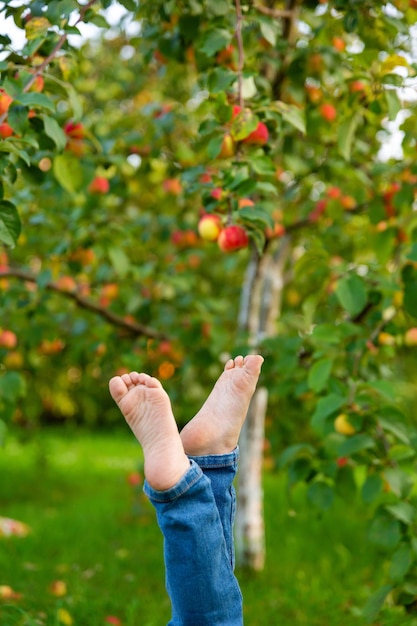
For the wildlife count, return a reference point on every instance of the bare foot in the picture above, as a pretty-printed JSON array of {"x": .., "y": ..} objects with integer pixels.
[
  {"x": 216, "y": 427},
  {"x": 147, "y": 409}
]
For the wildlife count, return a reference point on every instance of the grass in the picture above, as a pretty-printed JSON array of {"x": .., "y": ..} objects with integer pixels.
[{"x": 95, "y": 532}]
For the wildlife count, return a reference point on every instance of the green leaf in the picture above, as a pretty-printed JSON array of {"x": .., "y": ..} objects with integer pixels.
[
  {"x": 321, "y": 495},
  {"x": 218, "y": 7},
  {"x": 293, "y": 451},
  {"x": 269, "y": 30},
  {"x": 410, "y": 295},
  {"x": 319, "y": 373},
  {"x": 12, "y": 387},
  {"x": 400, "y": 564},
  {"x": 130, "y": 5},
  {"x": 372, "y": 488},
  {"x": 243, "y": 124},
  {"x": 68, "y": 172},
  {"x": 18, "y": 119},
  {"x": 214, "y": 147},
  {"x": 34, "y": 99},
  {"x": 375, "y": 603},
  {"x": 394, "y": 104},
  {"x": 291, "y": 114},
  {"x": 351, "y": 293},
  {"x": 120, "y": 261},
  {"x": 325, "y": 407},
  {"x": 214, "y": 40},
  {"x": 221, "y": 79},
  {"x": 3, "y": 433},
  {"x": 355, "y": 444},
  {"x": 385, "y": 532},
  {"x": 402, "y": 511},
  {"x": 54, "y": 131},
  {"x": 256, "y": 217},
  {"x": 10, "y": 225},
  {"x": 412, "y": 256},
  {"x": 345, "y": 136},
  {"x": 399, "y": 481}
]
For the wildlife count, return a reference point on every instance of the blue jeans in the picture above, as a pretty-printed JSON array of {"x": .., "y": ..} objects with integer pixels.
[{"x": 196, "y": 519}]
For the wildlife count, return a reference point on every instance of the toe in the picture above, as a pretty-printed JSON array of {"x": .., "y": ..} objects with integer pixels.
[
  {"x": 239, "y": 361},
  {"x": 229, "y": 365},
  {"x": 253, "y": 363},
  {"x": 118, "y": 388}
]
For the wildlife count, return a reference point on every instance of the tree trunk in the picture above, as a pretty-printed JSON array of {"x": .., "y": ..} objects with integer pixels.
[{"x": 259, "y": 311}]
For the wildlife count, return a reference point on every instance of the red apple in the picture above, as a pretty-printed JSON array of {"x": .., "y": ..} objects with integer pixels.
[
  {"x": 338, "y": 44},
  {"x": 245, "y": 202},
  {"x": 217, "y": 193},
  {"x": 318, "y": 210},
  {"x": 328, "y": 111},
  {"x": 357, "y": 86},
  {"x": 334, "y": 193},
  {"x": 259, "y": 136},
  {"x": 5, "y": 101},
  {"x": 233, "y": 237},
  {"x": 314, "y": 93},
  {"x": 277, "y": 231},
  {"x": 388, "y": 199},
  {"x": 209, "y": 227},
  {"x": 172, "y": 186},
  {"x": 8, "y": 339},
  {"x": 75, "y": 130},
  {"x": 99, "y": 184},
  {"x": 5, "y": 130}
]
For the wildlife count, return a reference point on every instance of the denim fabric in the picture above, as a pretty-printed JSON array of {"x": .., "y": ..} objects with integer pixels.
[{"x": 196, "y": 520}]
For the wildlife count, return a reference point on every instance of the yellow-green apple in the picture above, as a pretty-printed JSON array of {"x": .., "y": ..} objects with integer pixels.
[
  {"x": 386, "y": 339},
  {"x": 227, "y": 148},
  {"x": 209, "y": 227},
  {"x": 410, "y": 337},
  {"x": 343, "y": 426},
  {"x": 233, "y": 237}
]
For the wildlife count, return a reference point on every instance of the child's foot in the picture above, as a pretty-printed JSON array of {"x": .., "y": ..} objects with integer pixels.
[
  {"x": 216, "y": 427},
  {"x": 147, "y": 409}
]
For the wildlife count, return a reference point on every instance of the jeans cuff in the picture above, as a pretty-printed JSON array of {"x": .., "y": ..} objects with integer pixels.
[
  {"x": 212, "y": 461},
  {"x": 191, "y": 476}
]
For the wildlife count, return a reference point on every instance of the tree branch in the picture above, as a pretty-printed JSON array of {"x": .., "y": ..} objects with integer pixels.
[
  {"x": 241, "y": 59},
  {"x": 133, "y": 328},
  {"x": 274, "y": 13}
]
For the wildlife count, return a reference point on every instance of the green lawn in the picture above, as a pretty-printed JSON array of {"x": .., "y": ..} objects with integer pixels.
[{"x": 95, "y": 532}]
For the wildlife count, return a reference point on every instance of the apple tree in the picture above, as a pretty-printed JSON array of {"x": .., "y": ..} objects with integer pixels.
[{"x": 211, "y": 178}]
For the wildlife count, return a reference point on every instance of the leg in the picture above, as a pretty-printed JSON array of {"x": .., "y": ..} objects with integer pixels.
[
  {"x": 211, "y": 437},
  {"x": 199, "y": 576},
  {"x": 200, "y": 581}
]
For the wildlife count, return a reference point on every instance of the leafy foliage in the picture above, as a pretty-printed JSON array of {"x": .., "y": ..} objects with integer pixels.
[{"x": 111, "y": 151}]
